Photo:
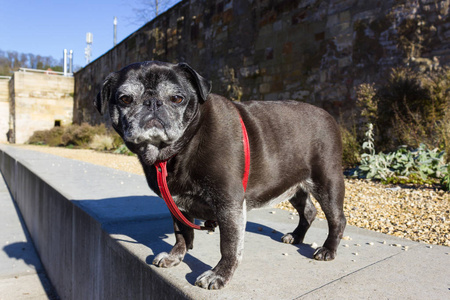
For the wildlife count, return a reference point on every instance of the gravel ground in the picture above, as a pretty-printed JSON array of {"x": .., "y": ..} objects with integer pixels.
[{"x": 416, "y": 213}]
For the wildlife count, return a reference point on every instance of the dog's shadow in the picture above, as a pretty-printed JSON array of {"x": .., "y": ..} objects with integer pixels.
[
  {"x": 303, "y": 249},
  {"x": 197, "y": 266},
  {"x": 154, "y": 237}
]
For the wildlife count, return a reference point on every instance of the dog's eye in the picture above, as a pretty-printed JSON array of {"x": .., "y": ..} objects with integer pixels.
[
  {"x": 176, "y": 99},
  {"x": 126, "y": 99}
]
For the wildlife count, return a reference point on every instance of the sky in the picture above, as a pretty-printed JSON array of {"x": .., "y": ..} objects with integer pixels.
[{"x": 47, "y": 27}]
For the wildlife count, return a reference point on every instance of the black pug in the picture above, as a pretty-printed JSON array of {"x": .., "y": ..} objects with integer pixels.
[{"x": 165, "y": 112}]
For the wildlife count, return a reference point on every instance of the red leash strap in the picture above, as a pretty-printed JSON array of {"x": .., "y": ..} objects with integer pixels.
[
  {"x": 247, "y": 155},
  {"x": 161, "y": 172}
]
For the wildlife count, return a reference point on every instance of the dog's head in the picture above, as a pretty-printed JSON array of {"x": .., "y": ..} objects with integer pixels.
[{"x": 151, "y": 104}]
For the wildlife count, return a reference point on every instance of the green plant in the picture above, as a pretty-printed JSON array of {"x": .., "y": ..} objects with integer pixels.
[
  {"x": 122, "y": 149},
  {"x": 350, "y": 148},
  {"x": 366, "y": 101},
  {"x": 50, "y": 137},
  {"x": 373, "y": 166},
  {"x": 402, "y": 166},
  {"x": 81, "y": 135},
  {"x": 117, "y": 139},
  {"x": 429, "y": 163},
  {"x": 413, "y": 178},
  {"x": 444, "y": 132},
  {"x": 410, "y": 108},
  {"x": 445, "y": 180},
  {"x": 101, "y": 142}
]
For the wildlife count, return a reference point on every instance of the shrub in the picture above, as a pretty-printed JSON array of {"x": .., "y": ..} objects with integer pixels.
[
  {"x": 50, "y": 137},
  {"x": 81, "y": 135},
  {"x": 101, "y": 142},
  {"x": 402, "y": 166},
  {"x": 117, "y": 139},
  {"x": 122, "y": 149},
  {"x": 445, "y": 180},
  {"x": 444, "y": 133},
  {"x": 411, "y": 108},
  {"x": 38, "y": 138},
  {"x": 350, "y": 148},
  {"x": 366, "y": 101}
]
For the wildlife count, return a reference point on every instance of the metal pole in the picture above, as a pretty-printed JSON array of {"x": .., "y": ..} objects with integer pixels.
[
  {"x": 70, "y": 61},
  {"x": 115, "y": 31},
  {"x": 65, "y": 62}
]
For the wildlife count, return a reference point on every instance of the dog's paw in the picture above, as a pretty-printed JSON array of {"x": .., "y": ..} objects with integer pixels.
[
  {"x": 166, "y": 260},
  {"x": 291, "y": 238},
  {"x": 325, "y": 254},
  {"x": 210, "y": 280}
]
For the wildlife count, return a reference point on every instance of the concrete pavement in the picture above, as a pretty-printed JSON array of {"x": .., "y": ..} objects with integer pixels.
[
  {"x": 22, "y": 275},
  {"x": 106, "y": 226}
]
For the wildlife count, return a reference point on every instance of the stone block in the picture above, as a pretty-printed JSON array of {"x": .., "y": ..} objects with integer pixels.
[
  {"x": 250, "y": 71},
  {"x": 39, "y": 101},
  {"x": 271, "y": 97},
  {"x": 264, "y": 88},
  {"x": 345, "y": 16},
  {"x": 278, "y": 25},
  {"x": 332, "y": 21},
  {"x": 4, "y": 120},
  {"x": 345, "y": 62}
]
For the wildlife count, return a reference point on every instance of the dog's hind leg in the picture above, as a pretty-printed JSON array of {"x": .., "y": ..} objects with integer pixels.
[
  {"x": 330, "y": 195},
  {"x": 184, "y": 241},
  {"x": 307, "y": 213}
]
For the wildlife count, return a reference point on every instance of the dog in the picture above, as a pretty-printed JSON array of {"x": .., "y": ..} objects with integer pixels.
[{"x": 166, "y": 112}]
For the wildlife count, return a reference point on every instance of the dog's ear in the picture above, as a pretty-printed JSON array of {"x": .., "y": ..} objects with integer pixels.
[
  {"x": 202, "y": 85},
  {"x": 105, "y": 93}
]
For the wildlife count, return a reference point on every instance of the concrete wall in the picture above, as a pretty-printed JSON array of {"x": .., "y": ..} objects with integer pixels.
[
  {"x": 310, "y": 50},
  {"x": 4, "y": 108},
  {"x": 38, "y": 100},
  {"x": 81, "y": 259}
]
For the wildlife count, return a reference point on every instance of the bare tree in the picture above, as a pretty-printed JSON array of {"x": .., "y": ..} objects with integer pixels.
[
  {"x": 11, "y": 61},
  {"x": 146, "y": 10}
]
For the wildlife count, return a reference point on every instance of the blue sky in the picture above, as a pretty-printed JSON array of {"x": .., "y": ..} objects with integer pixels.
[{"x": 47, "y": 27}]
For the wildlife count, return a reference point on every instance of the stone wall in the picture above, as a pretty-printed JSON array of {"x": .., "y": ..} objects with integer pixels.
[
  {"x": 4, "y": 108},
  {"x": 38, "y": 102},
  {"x": 308, "y": 50}
]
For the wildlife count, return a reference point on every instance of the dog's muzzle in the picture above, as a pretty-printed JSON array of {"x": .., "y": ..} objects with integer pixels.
[{"x": 154, "y": 123}]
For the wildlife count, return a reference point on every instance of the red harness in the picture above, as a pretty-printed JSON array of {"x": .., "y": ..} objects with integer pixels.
[{"x": 161, "y": 170}]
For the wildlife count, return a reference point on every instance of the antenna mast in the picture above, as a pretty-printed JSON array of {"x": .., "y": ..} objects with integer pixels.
[
  {"x": 88, "y": 49},
  {"x": 115, "y": 31}
]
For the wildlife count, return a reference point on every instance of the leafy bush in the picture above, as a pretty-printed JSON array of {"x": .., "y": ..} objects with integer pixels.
[
  {"x": 444, "y": 133},
  {"x": 122, "y": 149},
  {"x": 82, "y": 135},
  {"x": 350, "y": 147},
  {"x": 117, "y": 139},
  {"x": 78, "y": 136},
  {"x": 50, "y": 137},
  {"x": 445, "y": 180},
  {"x": 101, "y": 142},
  {"x": 411, "y": 108},
  {"x": 402, "y": 166},
  {"x": 373, "y": 166}
]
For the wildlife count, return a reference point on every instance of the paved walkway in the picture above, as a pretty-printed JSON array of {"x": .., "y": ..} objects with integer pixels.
[
  {"x": 21, "y": 273},
  {"x": 369, "y": 265}
]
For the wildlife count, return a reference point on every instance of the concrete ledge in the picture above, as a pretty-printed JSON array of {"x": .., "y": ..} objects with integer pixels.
[
  {"x": 82, "y": 260},
  {"x": 97, "y": 230}
]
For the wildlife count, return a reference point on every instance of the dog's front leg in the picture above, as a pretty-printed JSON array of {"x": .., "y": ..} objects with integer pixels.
[
  {"x": 184, "y": 241},
  {"x": 232, "y": 231}
]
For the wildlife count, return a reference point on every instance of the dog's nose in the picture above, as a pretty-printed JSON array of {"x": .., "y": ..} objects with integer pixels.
[{"x": 153, "y": 104}]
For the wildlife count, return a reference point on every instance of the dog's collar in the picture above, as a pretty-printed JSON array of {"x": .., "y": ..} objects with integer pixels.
[{"x": 161, "y": 172}]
